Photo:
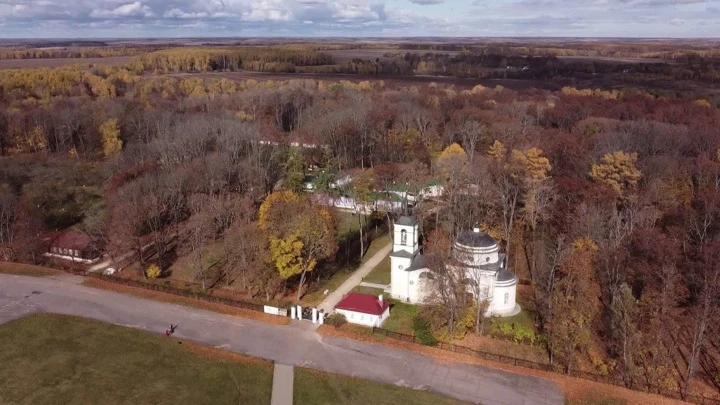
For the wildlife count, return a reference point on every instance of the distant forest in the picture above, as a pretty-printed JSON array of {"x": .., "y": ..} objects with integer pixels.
[{"x": 607, "y": 200}]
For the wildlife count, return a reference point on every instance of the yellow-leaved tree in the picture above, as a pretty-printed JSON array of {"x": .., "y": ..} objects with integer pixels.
[
  {"x": 617, "y": 170},
  {"x": 497, "y": 151},
  {"x": 300, "y": 234},
  {"x": 110, "y": 133},
  {"x": 531, "y": 163},
  {"x": 274, "y": 208},
  {"x": 452, "y": 162},
  {"x": 36, "y": 140}
]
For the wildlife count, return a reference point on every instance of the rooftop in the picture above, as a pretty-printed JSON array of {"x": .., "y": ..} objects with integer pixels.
[
  {"x": 71, "y": 240},
  {"x": 418, "y": 263},
  {"x": 476, "y": 239},
  {"x": 406, "y": 221},
  {"x": 402, "y": 253},
  {"x": 363, "y": 303},
  {"x": 505, "y": 275}
]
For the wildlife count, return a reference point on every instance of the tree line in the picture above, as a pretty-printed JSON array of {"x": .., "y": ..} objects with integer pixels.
[
  {"x": 606, "y": 202},
  {"x": 210, "y": 59},
  {"x": 75, "y": 52}
]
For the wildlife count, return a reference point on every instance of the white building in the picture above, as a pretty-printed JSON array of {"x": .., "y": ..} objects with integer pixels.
[
  {"x": 475, "y": 253},
  {"x": 364, "y": 309}
]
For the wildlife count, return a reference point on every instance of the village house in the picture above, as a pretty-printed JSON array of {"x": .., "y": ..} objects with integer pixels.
[
  {"x": 74, "y": 246},
  {"x": 364, "y": 309}
]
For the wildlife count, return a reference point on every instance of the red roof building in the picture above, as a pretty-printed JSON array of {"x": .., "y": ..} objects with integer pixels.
[
  {"x": 364, "y": 309},
  {"x": 73, "y": 245}
]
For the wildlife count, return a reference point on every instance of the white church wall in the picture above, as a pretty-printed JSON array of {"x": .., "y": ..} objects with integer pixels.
[
  {"x": 503, "y": 301},
  {"x": 399, "y": 278}
]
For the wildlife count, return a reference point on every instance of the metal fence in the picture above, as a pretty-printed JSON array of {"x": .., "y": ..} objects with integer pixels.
[
  {"x": 178, "y": 291},
  {"x": 697, "y": 399}
]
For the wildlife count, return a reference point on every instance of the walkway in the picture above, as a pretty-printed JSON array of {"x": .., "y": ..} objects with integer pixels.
[
  {"x": 375, "y": 285},
  {"x": 24, "y": 295},
  {"x": 282, "y": 390},
  {"x": 328, "y": 305}
]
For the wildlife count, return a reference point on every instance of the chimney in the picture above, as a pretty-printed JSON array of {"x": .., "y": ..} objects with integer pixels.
[
  {"x": 476, "y": 230},
  {"x": 380, "y": 298}
]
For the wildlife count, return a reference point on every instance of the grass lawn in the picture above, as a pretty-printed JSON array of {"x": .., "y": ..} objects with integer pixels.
[
  {"x": 52, "y": 359},
  {"x": 401, "y": 317},
  {"x": 318, "y": 388},
  {"x": 381, "y": 273},
  {"x": 333, "y": 282},
  {"x": 347, "y": 223},
  {"x": 19, "y": 269},
  {"x": 375, "y": 246},
  {"x": 183, "y": 270}
]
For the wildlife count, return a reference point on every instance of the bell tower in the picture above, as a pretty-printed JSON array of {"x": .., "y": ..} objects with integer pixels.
[
  {"x": 405, "y": 235},
  {"x": 405, "y": 248}
]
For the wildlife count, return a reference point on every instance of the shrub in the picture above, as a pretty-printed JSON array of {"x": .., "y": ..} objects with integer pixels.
[
  {"x": 153, "y": 271},
  {"x": 336, "y": 320},
  {"x": 513, "y": 330},
  {"x": 197, "y": 289},
  {"x": 423, "y": 333}
]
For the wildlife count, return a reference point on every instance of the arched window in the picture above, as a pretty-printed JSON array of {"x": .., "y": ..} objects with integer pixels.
[
  {"x": 426, "y": 275},
  {"x": 403, "y": 237},
  {"x": 507, "y": 298}
]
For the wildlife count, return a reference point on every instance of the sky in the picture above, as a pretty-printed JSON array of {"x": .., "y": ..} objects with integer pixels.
[{"x": 358, "y": 18}]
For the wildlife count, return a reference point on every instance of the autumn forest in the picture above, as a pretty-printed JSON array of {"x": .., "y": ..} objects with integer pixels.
[{"x": 599, "y": 175}]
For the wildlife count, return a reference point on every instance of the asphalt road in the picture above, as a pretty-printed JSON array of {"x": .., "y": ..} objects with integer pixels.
[{"x": 290, "y": 345}]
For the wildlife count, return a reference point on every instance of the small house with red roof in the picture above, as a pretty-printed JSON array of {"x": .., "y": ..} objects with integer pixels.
[
  {"x": 74, "y": 246},
  {"x": 364, "y": 309}
]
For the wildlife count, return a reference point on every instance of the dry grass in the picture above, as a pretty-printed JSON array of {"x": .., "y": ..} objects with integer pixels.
[
  {"x": 20, "y": 269},
  {"x": 576, "y": 390},
  {"x": 57, "y": 359},
  {"x": 189, "y": 302}
]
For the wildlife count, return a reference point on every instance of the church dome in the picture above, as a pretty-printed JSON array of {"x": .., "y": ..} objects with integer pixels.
[{"x": 476, "y": 239}]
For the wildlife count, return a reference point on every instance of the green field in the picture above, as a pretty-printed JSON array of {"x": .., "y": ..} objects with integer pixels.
[
  {"x": 317, "y": 388},
  {"x": 401, "y": 317},
  {"x": 51, "y": 359},
  {"x": 381, "y": 273}
]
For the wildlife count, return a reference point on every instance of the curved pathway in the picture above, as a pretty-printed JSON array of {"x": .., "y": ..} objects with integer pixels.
[{"x": 20, "y": 296}]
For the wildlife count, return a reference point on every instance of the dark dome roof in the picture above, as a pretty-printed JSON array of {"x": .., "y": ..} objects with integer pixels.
[
  {"x": 504, "y": 275},
  {"x": 475, "y": 239}
]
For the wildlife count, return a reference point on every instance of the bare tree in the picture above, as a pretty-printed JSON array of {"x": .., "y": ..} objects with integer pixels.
[
  {"x": 704, "y": 314},
  {"x": 471, "y": 132}
]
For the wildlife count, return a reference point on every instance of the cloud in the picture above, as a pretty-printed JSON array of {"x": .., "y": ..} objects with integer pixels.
[
  {"x": 356, "y": 18},
  {"x": 136, "y": 9},
  {"x": 427, "y": 2}
]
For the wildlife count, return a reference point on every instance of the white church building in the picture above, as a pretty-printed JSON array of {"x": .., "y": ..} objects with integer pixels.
[{"x": 475, "y": 253}]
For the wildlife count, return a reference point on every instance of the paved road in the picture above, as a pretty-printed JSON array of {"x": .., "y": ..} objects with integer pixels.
[
  {"x": 20, "y": 296},
  {"x": 334, "y": 297}
]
